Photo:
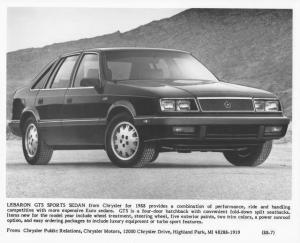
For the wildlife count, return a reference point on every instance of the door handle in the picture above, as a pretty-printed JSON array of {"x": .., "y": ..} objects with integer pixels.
[
  {"x": 40, "y": 101},
  {"x": 69, "y": 100}
]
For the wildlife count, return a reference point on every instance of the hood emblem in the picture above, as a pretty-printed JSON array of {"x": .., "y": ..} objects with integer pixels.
[{"x": 227, "y": 104}]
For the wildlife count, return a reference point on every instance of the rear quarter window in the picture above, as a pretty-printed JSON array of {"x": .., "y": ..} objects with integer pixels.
[{"x": 42, "y": 79}]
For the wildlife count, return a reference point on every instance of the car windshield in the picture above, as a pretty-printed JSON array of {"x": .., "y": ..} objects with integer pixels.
[{"x": 154, "y": 65}]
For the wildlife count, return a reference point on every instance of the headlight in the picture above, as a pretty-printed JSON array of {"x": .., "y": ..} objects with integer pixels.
[
  {"x": 167, "y": 105},
  {"x": 267, "y": 105},
  {"x": 259, "y": 105},
  {"x": 272, "y": 105},
  {"x": 182, "y": 105}
]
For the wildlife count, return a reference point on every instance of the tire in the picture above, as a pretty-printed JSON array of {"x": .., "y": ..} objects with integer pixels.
[
  {"x": 36, "y": 151},
  {"x": 124, "y": 143},
  {"x": 155, "y": 156},
  {"x": 252, "y": 156}
]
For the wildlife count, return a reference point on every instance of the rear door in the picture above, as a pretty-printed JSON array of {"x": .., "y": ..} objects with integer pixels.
[{"x": 50, "y": 100}]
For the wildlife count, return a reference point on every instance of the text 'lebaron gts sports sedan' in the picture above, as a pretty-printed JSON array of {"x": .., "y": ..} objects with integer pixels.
[{"x": 138, "y": 102}]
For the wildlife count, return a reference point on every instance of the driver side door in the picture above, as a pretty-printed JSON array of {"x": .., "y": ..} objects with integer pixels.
[{"x": 85, "y": 106}]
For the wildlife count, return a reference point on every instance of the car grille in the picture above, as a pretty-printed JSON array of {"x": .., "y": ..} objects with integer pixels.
[
  {"x": 226, "y": 104},
  {"x": 232, "y": 131}
]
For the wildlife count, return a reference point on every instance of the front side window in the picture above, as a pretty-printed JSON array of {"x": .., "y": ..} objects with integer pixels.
[
  {"x": 88, "y": 71},
  {"x": 63, "y": 75},
  {"x": 154, "y": 65}
]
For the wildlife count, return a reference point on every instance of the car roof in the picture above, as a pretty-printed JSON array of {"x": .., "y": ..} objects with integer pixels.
[
  {"x": 137, "y": 48},
  {"x": 122, "y": 49}
]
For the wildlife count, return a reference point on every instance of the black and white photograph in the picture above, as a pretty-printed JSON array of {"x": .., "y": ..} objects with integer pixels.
[
  {"x": 150, "y": 120},
  {"x": 199, "y": 101}
]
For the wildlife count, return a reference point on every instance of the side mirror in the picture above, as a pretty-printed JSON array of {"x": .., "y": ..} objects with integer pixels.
[{"x": 90, "y": 82}]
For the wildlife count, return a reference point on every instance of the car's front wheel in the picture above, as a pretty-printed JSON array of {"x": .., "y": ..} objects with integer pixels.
[
  {"x": 124, "y": 144},
  {"x": 35, "y": 150},
  {"x": 252, "y": 156},
  {"x": 155, "y": 156}
]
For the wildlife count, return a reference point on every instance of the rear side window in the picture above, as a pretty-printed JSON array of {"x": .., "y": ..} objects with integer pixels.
[
  {"x": 63, "y": 75},
  {"x": 39, "y": 84}
]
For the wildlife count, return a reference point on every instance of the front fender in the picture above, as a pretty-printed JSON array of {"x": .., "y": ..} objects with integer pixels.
[{"x": 122, "y": 104}]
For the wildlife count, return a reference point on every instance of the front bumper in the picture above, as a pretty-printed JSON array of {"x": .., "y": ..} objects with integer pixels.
[
  {"x": 208, "y": 129},
  {"x": 211, "y": 120}
]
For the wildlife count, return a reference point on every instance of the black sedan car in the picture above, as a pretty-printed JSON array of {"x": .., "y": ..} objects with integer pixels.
[{"x": 138, "y": 102}]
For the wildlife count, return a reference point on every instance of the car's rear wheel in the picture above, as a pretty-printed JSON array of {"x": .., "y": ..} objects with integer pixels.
[
  {"x": 35, "y": 150},
  {"x": 124, "y": 144},
  {"x": 251, "y": 156}
]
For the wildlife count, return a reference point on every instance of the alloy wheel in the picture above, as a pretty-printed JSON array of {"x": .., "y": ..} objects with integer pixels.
[
  {"x": 125, "y": 140},
  {"x": 31, "y": 140}
]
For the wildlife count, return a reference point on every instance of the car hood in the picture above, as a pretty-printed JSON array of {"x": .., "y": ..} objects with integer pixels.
[{"x": 196, "y": 88}]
